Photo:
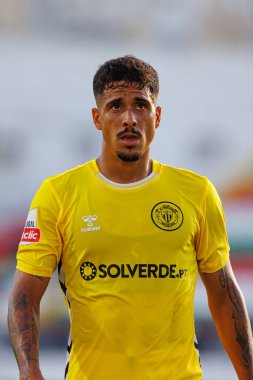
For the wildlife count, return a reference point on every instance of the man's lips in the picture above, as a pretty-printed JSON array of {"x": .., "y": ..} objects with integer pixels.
[{"x": 130, "y": 139}]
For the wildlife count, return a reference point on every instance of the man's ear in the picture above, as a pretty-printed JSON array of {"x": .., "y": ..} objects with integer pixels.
[
  {"x": 96, "y": 118},
  {"x": 158, "y": 113}
]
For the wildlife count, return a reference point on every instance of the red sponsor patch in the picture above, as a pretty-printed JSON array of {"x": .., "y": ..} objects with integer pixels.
[{"x": 30, "y": 235}]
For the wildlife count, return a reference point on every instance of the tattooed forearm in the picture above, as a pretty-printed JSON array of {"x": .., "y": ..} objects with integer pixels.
[
  {"x": 223, "y": 280},
  {"x": 23, "y": 330},
  {"x": 242, "y": 339},
  {"x": 240, "y": 321}
]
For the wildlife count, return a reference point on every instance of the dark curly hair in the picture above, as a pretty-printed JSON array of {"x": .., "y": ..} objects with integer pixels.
[{"x": 130, "y": 71}]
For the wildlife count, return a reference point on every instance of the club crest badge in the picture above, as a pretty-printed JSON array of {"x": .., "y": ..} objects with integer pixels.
[{"x": 167, "y": 216}]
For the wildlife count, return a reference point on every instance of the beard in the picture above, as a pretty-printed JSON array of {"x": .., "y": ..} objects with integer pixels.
[{"x": 128, "y": 157}]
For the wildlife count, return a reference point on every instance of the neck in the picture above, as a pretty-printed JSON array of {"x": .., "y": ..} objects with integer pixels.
[{"x": 125, "y": 172}]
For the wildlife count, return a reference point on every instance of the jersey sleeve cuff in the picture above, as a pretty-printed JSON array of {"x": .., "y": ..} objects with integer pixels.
[
  {"x": 44, "y": 272},
  {"x": 214, "y": 268}
]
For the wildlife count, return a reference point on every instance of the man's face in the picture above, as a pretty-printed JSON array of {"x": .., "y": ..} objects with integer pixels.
[{"x": 128, "y": 118}]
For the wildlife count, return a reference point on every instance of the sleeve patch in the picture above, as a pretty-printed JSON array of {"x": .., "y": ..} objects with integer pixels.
[{"x": 31, "y": 233}]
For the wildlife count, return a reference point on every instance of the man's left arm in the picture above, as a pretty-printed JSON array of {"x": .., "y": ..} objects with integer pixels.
[{"x": 231, "y": 319}]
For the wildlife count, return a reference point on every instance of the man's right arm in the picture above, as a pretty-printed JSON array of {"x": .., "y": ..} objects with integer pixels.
[{"x": 23, "y": 322}]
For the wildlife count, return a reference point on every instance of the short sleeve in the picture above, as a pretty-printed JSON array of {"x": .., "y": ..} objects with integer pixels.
[
  {"x": 41, "y": 244},
  {"x": 212, "y": 242}
]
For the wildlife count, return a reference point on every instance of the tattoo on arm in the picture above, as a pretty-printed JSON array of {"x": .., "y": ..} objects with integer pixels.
[
  {"x": 23, "y": 330},
  {"x": 238, "y": 315}
]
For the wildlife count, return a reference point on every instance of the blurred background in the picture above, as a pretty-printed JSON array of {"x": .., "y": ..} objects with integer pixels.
[{"x": 50, "y": 50}]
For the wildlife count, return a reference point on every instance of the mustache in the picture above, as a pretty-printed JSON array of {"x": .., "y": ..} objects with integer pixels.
[{"x": 129, "y": 130}]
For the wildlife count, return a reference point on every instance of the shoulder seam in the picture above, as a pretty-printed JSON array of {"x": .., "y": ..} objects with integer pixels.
[
  {"x": 59, "y": 218},
  {"x": 59, "y": 175}
]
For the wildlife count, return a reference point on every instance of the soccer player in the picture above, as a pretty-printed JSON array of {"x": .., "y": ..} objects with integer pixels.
[{"x": 129, "y": 236}]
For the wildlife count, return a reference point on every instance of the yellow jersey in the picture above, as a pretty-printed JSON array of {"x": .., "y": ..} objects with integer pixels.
[{"x": 128, "y": 257}]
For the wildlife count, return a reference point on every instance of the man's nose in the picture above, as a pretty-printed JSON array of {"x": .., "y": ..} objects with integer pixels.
[{"x": 129, "y": 118}]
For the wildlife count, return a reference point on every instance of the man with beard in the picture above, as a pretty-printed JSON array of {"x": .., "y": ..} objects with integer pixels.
[{"x": 129, "y": 236}]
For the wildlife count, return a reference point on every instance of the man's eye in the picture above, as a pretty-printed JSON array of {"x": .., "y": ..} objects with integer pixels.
[
  {"x": 115, "y": 106},
  {"x": 140, "y": 106}
]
